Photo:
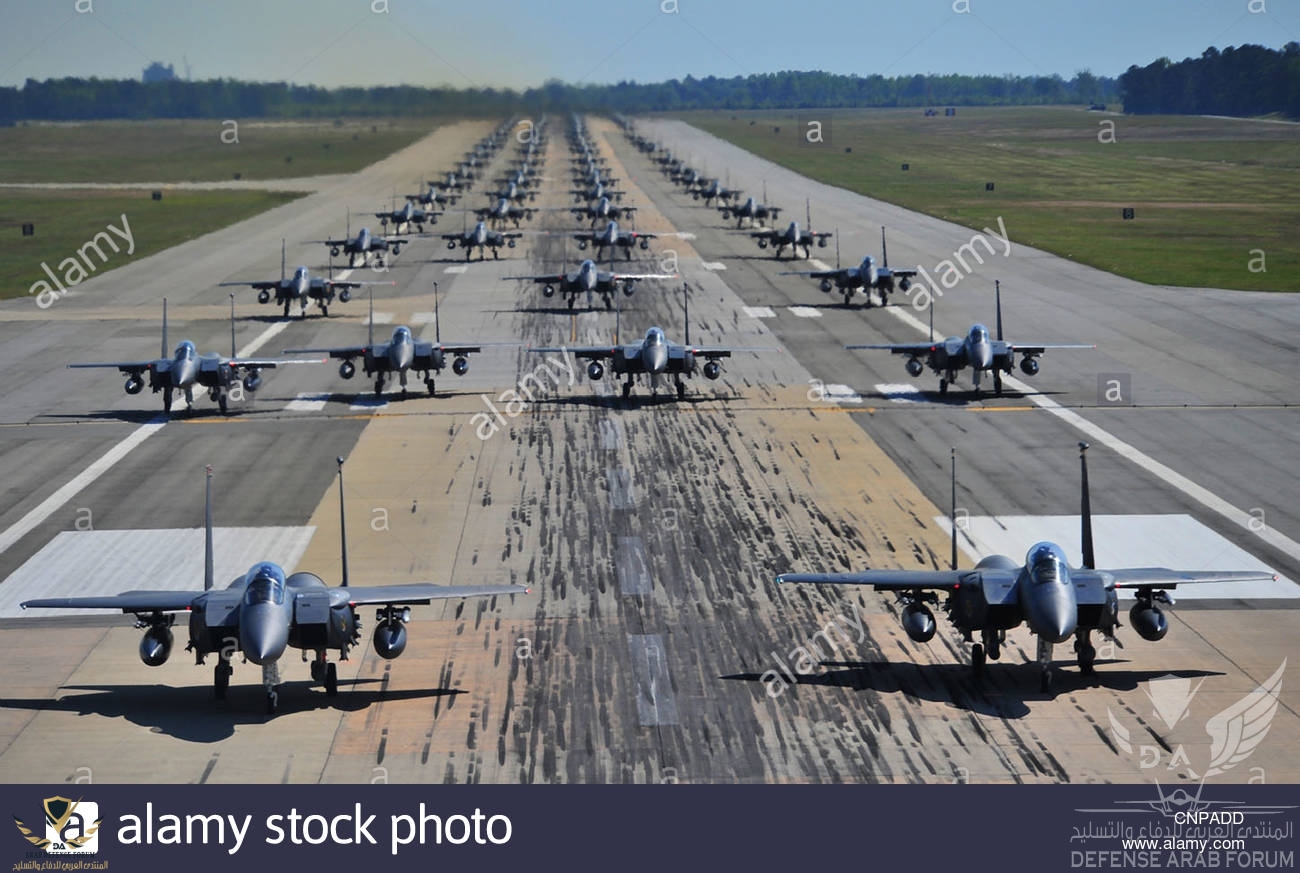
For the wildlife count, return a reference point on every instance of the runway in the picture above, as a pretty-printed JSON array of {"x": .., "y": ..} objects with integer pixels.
[{"x": 655, "y": 645}]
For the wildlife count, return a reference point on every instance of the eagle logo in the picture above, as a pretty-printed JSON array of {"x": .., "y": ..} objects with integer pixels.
[
  {"x": 1235, "y": 732},
  {"x": 59, "y": 812}
]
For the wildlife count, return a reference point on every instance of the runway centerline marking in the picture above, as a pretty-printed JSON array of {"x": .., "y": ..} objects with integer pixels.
[{"x": 1168, "y": 475}]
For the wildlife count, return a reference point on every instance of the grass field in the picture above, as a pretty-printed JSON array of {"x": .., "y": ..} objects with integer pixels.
[
  {"x": 65, "y": 220},
  {"x": 1209, "y": 195},
  {"x": 200, "y": 150}
]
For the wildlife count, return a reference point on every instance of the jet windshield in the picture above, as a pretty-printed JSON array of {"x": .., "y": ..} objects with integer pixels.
[
  {"x": 1046, "y": 563},
  {"x": 979, "y": 334},
  {"x": 265, "y": 584},
  {"x": 654, "y": 336}
]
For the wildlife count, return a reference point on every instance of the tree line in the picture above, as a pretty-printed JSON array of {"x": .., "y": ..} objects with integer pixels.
[
  {"x": 1248, "y": 80},
  {"x": 77, "y": 99}
]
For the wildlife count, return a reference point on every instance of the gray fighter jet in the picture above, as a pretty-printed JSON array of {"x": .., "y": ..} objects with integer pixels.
[
  {"x": 302, "y": 288},
  {"x": 266, "y": 611},
  {"x": 481, "y": 237},
  {"x": 654, "y": 357},
  {"x": 402, "y": 354},
  {"x": 794, "y": 236},
  {"x": 590, "y": 280},
  {"x": 865, "y": 276},
  {"x": 502, "y": 211},
  {"x": 362, "y": 245},
  {"x": 1056, "y": 601},
  {"x": 602, "y": 209},
  {"x": 611, "y": 236},
  {"x": 186, "y": 369},
  {"x": 975, "y": 350},
  {"x": 407, "y": 216}
]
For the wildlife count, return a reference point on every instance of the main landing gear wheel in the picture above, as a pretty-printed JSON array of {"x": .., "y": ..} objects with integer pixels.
[
  {"x": 943, "y": 386},
  {"x": 428, "y": 383},
  {"x": 977, "y": 661},
  {"x": 379, "y": 387},
  {"x": 223, "y": 402},
  {"x": 1087, "y": 655},
  {"x": 681, "y": 389},
  {"x": 627, "y": 390},
  {"x": 997, "y": 383},
  {"x": 286, "y": 309},
  {"x": 331, "y": 680},
  {"x": 1045, "y": 680},
  {"x": 221, "y": 679},
  {"x": 167, "y": 400}
]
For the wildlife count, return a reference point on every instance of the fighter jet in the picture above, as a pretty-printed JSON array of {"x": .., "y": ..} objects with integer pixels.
[
  {"x": 482, "y": 238},
  {"x": 302, "y": 289},
  {"x": 503, "y": 210},
  {"x": 590, "y": 280},
  {"x": 407, "y": 216},
  {"x": 266, "y": 611},
  {"x": 402, "y": 354},
  {"x": 714, "y": 191},
  {"x": 514, "y": 193},
  {"x": 793, "y": 236},
  {"x": 974, "y": 350},
  {"x": 612, "y": 236},
  {"x": 1055, "y": 600},
  {"x": 363, "y": 244},
  {"x": 602, "y": 210},
  {"x": 654, "y": 357},
  {"x": 751, "y": 209},
  {"x": 595, "y": 191},
  {"x": 186, "y": 369},
  {"x": 431, "y": 197},
  {"x": 866, "y": 276}
]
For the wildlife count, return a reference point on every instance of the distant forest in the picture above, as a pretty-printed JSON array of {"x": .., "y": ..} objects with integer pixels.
[
  {"x": 1249, "y": 80},
  {"x": 84, "y": 99}
]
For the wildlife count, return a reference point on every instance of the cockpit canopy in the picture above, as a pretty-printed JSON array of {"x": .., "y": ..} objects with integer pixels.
[
  {"x": 979, "y": 334},
  {"x": 265, "y": 584},
  {"x": 185, "y": 351},
  {"x": 655, "y": 336},
  {"x": 1047, "y": 563}
]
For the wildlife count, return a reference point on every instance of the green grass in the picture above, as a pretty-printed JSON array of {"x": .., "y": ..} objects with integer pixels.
[
  {"x": 194, "y": 150},
  {"x": 65, "y": 220},
  {"x": 1208, "y": 193}
]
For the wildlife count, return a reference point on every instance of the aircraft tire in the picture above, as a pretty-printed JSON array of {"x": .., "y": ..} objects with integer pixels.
[
  {"x": 331, "y": 680},
  {"x": 977, "y": 657}
]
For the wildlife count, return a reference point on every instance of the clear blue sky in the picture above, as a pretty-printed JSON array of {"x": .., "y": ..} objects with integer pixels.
[{"x": 514, "y": 43}]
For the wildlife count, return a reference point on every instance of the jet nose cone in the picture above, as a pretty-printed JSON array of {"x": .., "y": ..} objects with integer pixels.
[
  {"x": 262, "y": 638},
  {"x": 657, "y": 359}
]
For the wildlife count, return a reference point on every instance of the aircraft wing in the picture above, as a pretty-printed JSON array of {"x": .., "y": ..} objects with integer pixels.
[
  {"x": 1159, "y": 577},
  {"x": 888, "y": 580},
  {"x": 343, "y": 352},
  {"x": 425, "y": 350},
  {"x": 269, "y": 286},
  {"x": 127, "y": 601},
  {"x": 901, "y": 348},
  {"x": 421, "y": 592},
  {"x": 124, "y": 366},
  {"x": 618, "y": 277},
  {"x": 590, "y": 353},
  {"x": 816, "y": 274},
  {"x": 1039, "y": 348},
  {"x": 554, "y": 278},
  {"x": 259, "y": 363}
]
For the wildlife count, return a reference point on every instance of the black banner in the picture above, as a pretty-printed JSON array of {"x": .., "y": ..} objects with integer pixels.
[{"x": 320, "y": 828}]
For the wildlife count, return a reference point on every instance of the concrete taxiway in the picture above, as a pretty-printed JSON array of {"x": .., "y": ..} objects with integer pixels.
[{"x": 655, "y": 645}]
